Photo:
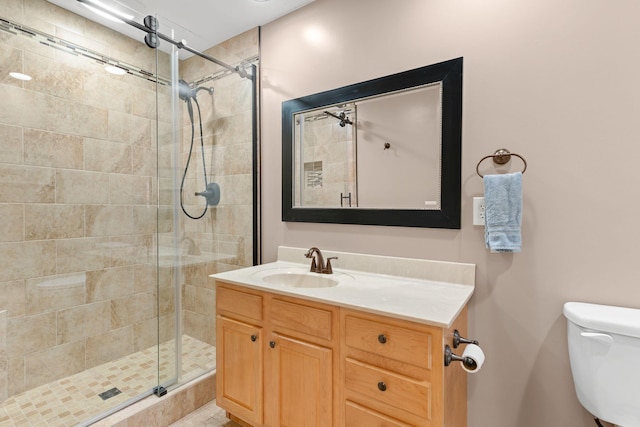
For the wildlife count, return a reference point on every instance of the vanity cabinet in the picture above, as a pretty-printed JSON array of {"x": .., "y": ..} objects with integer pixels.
[
  {"x": 239, "y": 353},
  {"x": 286, "y": 375},
  {"x": 292, "y": 362},
  {"x": 394, "y": 375}
]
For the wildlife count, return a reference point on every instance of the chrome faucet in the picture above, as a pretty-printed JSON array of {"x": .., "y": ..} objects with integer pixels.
[{"x": 317, "y": 261}]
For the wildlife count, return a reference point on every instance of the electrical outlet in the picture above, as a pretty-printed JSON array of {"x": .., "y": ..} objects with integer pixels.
[{"x": 478, "y": 211}]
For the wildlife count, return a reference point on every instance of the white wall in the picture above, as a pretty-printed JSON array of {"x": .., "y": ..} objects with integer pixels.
[{"x": 557, "y": 82}]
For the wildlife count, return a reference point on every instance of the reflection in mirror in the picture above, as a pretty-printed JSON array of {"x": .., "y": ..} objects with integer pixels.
[{"x": 381, "y": 152}]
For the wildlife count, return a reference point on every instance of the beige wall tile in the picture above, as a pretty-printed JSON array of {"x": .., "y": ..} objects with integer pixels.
[
  {"x": 110, "y": 346},
  {"x": 11, "y": 60},
  {"x": 12, "y": 9},
  {"x": 15, "y": 375},
  {"x": 80, "y": 187},
  {"x": 84, "y": 321},
  {"x": 53, "y": 293},
  {"x": 49, "y": 221},
  {"x": 54, "y": 77},
  {"x": 107, "y": 220},
  {"x": 13, "y": 297},
  {"x": 144, "y": 159},
  {"x": 26, "y": 259},
  {"x": 39, "y": 111},
  {"x": 24, "y": 184},
  {"x": 132, "y": 309},
  {"x": 134, "y": 249},
  {"x": 76, "y": 255},
  {"x": 144, "y": 278},
  {"x": 11, "y": 147},
  {"x": 52, "y": 149},
  {"x": 12, "y": 224},
  {"x": 145, "y": 219},
  {"x": 4, "y": 362},
  {"x": 30, "y": 334},
  {"x": 106, "y": 156},
  {"x": 110, "y": 283},
  {"x": 130, "y": 190},
  {"x": 110, "y": 92},
  {"x": 199, "y": 326},
  {"x": 54, "y": 363},
  {"x": 129, "y": 129}
]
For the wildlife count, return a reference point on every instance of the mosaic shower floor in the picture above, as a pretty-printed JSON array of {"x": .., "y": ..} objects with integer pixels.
[{"x": 72, "y": 400}]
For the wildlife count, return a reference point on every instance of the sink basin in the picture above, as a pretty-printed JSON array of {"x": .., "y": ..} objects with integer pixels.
[{"x": 296, "y": 278}]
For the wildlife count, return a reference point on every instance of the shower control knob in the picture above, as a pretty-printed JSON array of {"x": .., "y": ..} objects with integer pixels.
[
  {"x": 382, "y": 339},
  {"x": 254, "y": 338},
  {"x": 272, "y": 344}
]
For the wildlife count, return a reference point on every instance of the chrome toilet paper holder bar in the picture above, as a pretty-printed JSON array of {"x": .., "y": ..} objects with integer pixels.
[{"x": 450, "y": 356}]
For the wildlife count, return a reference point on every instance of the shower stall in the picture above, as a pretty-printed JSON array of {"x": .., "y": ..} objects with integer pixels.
[{"x": 128, "y": 175}]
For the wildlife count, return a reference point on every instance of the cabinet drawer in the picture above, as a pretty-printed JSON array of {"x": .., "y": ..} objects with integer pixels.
[
  {"x": 237, "y": 303},
  {"x": 356, "y": 415},
  {"x": 308, "y": 320},
  {"x": 390, "y": 341},
  {"x": 388, "y": 388}
]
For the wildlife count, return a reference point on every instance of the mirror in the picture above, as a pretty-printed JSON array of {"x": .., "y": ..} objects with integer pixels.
[{"x": 381, "y": 152}]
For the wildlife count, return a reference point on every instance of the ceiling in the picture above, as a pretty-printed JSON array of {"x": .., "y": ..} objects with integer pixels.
[{"x": 202, "y": 23}]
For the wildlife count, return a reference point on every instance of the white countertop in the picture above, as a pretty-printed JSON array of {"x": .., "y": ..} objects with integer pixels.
[{"x": 436, "y": 303}]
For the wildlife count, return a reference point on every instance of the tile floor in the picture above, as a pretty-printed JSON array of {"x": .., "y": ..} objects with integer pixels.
[{"x": 75, "y": 399}]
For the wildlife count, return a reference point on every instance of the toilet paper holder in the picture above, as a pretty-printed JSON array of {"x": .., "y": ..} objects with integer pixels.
[
  {"x": 458, "y": 339},
  {"x": 450, "y": 356}
]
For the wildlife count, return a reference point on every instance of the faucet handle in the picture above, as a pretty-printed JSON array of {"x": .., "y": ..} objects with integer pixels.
[
  {"x": 314, "y": 267},
  {"x": 328, "y": 269}
]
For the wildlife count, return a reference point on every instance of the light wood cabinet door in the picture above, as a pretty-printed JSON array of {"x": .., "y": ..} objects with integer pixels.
[
  {"x": 239, "y": 356},
  {"x": 300, "y": 383}
]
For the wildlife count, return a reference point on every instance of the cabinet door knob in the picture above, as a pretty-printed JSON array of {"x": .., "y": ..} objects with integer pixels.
[
  {"x": 382, "y": 339},
  {"x": 254, "y": 338},
  {"x": 382, "y": 386},
  {"x": 272, "y": 344}
]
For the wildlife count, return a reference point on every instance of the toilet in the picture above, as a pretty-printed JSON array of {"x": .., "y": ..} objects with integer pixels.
[{"x": 604, "y": 352}]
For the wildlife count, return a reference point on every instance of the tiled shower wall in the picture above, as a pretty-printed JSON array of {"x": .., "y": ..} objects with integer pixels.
[
  {"x": 78, "y": 162},
  {"x": 226, "y": 231}
]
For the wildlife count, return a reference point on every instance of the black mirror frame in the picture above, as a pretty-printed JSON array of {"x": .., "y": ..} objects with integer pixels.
[{"x": 447, "y": 72}]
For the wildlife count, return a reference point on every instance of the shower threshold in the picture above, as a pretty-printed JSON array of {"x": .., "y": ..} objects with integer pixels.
[{"x": 75, "y": 399}]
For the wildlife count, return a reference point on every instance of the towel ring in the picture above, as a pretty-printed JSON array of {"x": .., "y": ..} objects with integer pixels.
[{"x": 500, "y": 157}]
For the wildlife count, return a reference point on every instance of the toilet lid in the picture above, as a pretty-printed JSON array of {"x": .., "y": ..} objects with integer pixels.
[{"x": 604, "y": 318}]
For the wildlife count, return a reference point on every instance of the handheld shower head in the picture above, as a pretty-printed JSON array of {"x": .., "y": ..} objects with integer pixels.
[{"x": 186, "y": 92}]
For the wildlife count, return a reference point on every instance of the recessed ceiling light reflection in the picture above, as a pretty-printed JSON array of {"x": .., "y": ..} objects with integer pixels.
[
  {"x": 108, "y": 13},
  {"x": 115, "y": 70},
  {"x": 20, "y": 76}
]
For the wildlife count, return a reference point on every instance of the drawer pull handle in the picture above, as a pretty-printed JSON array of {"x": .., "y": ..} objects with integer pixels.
[
  {"x": 254, "y": 338},
  {"x": 272, "y": 344},
  {"x": 382, "y": 386},
  {"x": 382, "y": 339}
]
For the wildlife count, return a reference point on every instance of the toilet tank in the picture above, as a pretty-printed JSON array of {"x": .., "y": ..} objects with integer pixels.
[{"x": 604, "y": 352}]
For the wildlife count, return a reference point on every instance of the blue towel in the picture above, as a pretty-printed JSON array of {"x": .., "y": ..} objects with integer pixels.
[{"x": 503, "y": 212}]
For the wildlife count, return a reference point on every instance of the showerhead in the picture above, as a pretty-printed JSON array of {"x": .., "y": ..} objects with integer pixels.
[{"x": 186, "y": 92}]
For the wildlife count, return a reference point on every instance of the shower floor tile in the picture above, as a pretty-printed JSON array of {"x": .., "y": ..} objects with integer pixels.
[{"x": 72, "y": 400}]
